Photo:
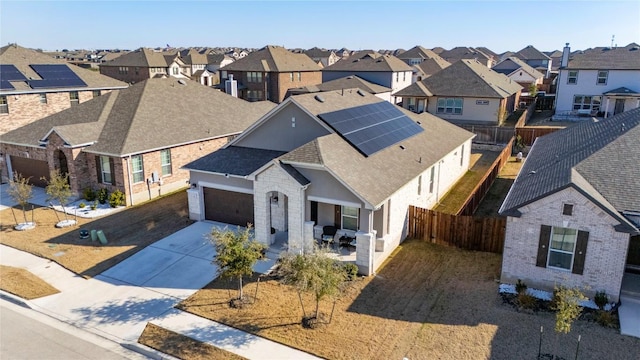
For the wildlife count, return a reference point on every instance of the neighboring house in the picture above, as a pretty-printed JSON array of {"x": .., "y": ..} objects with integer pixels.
[
  {"x": 599, "y": 82},
  {"x": 216, "y": 61},
  {"x": 268, "y": 73},
  {"x": 425, "y": 62},
  {"x": 489, "y": 52},
  {"x": 467, "y": 92},
  {"x": 30, "y": 90},
  {"x": 144, "y": 63},
  {"x": 348, "y": 82},
  {"x": 310, "y": 162},
  {"x": 518, "y": 71},
  {"x": 321, "y": 56},
  {"x": 462, "y": 52},
  {"x": 556, "y": 58},
  {"x": 134, "y": 140},
  {"x": 574, "y": 208},
  {"x": 536, "y": 59},
  {"x": 384, "y": 70}
]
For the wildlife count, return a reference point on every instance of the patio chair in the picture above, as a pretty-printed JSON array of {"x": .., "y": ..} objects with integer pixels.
[{"x": 328, "y": 234}]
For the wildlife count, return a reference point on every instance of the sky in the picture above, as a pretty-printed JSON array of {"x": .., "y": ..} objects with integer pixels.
[{"x": 356, "y": 25}]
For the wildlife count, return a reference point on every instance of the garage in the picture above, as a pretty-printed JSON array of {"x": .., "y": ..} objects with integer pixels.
[
  {"x": 228, "y": 207},
  {"x": 30, "y": 168}
]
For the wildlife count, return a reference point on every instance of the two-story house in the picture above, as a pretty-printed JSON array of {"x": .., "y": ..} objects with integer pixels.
[
  {"x": 467, "y": 92},
  {"x": 143, "y": 64},
  {"x": 536, "y": 59},
  {"x": 34, "y": 85},
  {"x": 268, "y": 73},
  {"x": 425, "y": 62},
  {"x": 599, "y": 82},
  {"x": 463, "y": 52},
  {"x": 519, "y": 71},
  {"x": 384, "y": 70}
]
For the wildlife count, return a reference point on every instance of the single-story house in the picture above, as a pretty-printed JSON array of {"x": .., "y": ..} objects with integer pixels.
[
  {"x": 346, "y": 159},
  {"x": 134, "y": 140},
  {"x": 573, "y": 212},
  {"x": 467, "y": 92}
]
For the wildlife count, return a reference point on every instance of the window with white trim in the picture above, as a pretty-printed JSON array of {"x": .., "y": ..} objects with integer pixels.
[
  {"x": 602, "y": 77},
  {"x": 123, "y": 70},
  {"x": 562, "y": 247},
  {"x": 411, "y": 104},
  {"x": 43, "y": 98},
  {"x": 419, "y": 184},
  {"x": 74, "y": 98},
  {"x": 165, "y": 161},
  {"x": 349, "y": 218},
  {"x": 255, "y": 76},
  {"x": 587, "y": 102},
  {"x": 449, "y": 106},
  {"x": 105, "y": 170},
  {"x": 137, "y": 169},
  {"x": 299, "y": 75},
  {"x": 175, "y": 70},
  {"x": 572, "y": 77},
  {"x": 254, "y": 95},
  {"x": 432, "y": 179},
  {"x": 4, "y": 106},
  {"x": 96, "y": 93}
]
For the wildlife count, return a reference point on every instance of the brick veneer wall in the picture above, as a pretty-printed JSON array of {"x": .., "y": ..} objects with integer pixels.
[
  {"x": 281, "y": 82},
  {"x": 26, "y": 108},
  {"x": 144, "y": 73},
  {"x": 606, "y": 248}
]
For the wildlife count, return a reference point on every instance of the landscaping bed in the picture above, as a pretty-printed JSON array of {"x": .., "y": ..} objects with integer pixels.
[
  {"x": 127, "y": 231},
  {"x": 426, "y": 302}
]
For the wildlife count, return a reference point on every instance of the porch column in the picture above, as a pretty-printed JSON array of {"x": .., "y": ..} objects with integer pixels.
[
  {"x": 193, "y": 198},
  {"x": 365, "y": 251},
  {"x": 606, "y": 108},
  {"x": 307, "y": 236}
]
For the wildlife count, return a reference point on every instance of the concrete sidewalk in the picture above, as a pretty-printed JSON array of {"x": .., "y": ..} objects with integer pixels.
[{"x": 118, "y": 303}]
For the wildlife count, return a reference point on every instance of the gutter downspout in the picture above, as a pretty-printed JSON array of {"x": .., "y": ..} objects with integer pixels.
[{"x": 127, "y": 160}]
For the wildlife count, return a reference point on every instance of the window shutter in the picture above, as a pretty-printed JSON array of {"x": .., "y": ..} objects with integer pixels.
[
  {"x": 543, "y": 245},
  {"x": 338, "y": 217},
  {"x": 113, "y": 173},
  {"x": 581, "y": 252},
  {"x": 98, "y": 169}
]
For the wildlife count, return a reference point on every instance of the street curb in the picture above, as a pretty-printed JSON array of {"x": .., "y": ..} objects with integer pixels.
[
  {"x": 14, "y": 299},
  {"x": 147, "y": 351}
]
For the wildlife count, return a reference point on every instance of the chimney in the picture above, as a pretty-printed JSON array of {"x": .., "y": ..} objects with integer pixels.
[
  {"x": 231, "y": 86},
  {"x": 565, "y": 56}
]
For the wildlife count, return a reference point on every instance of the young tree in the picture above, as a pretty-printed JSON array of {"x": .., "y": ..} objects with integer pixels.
[
  {"x": 236, "y": 254},
  {"x": 58, "y": 189},
  {"x": 314, "y": 272},
  {"x": 21, "y": 192},
  {"x": 533, "y": 89},
  {"x": 567, "y": 306}
]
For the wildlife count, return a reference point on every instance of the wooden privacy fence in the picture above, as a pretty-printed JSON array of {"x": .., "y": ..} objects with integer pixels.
[
  {"x": 529, "y": 134},
  {"x": 475, "y": 197},
  {"x": 465, "y": 232}
]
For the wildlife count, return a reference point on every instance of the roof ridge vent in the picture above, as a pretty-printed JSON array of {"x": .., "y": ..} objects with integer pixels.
[
  {"x": 360, "y": 92},
  {"x": 319, "y": 98}
]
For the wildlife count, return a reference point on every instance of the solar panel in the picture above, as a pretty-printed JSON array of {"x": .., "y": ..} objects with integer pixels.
[
  {"x": 373, "y": 127},
  {"x": 6, "y": 85},
  {"x": 10, "y": 73},
  {"x": 55, "y": 76}
]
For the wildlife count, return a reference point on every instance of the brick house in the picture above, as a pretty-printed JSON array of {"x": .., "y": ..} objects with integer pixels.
[
  {"x": 297, "y": 170},
  {"x": 268, "y": 73},
  {"x": 573, "y": 212},
  {"x": 143, "y": 64},
  {"x": 466, "y": 92},
  {"x": 134, "y": 140},
  {"x": 322, "y": 57},
  {"x": 24, "y": 98}
]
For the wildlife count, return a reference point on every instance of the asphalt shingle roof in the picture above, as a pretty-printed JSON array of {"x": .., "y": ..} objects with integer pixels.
[
  {"x": 347, "y": 82},
  {"x": 601, "y": 158},
  {"x": 431, "y": 66},
  {"x": 142, "y": 57},
  {"x": 234, "y": 160},
  {"x": 531, "y": 53},
  {"x": 512, "y": 63},
  {"x": 417, "y": 52},
  {"x": 370, "y": 62},
  {"x": 21, "y": 58},
  {"x": 153, "y": 114},
  {"x": 620, "y": 58},
  {"x": 273, "y": 59},
  {"x": 461, "y": 52}
]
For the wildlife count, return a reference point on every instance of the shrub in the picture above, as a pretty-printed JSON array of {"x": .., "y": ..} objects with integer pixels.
[
  {"x": 116, "y": 199},
  {"x": 567, "y": 306},
  {"x": 351, "y": 270},
  {"x": 103, "y": 195},
  {"x": 89, "y": 194},
  {"x": 521, "y": 287},
  {"x": 606, "y": 319},
  {"x": 601, "y": 299},
  {"x": 94, "y": 205},
  {"x": 82, "y": 205},
  {"x": 526, "y": 301}
]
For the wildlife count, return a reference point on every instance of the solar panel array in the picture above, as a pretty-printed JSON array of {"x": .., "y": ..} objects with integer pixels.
[
  {"x": 9, "y": 73},
  {"x": 55, "y": 76},
  {"x": 373, "y": 127}
]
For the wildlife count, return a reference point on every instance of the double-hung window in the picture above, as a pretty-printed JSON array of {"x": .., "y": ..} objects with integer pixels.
[
  {"x": 137, "y": 169},
  {"x": 256, "y": 77},
  {"x": 432, "y": 177},
  {"x": 4, "y": 106},
  {"x": 562, "y": 247},
  {"x": 349, "y": 218},
  {"x": 105, "y": 170},
  {"x": 602, "y": 77},
  {"x": 572, "y": 77},
  {"x": 449, "y": 106},
  {"x": 74, "y": 98},
  {"x": 165, "y": 162},
  {"x": 586, "y": 102},
  {"x": 43, "y": 98}
]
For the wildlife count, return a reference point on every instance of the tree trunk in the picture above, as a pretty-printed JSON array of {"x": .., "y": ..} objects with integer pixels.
[
  {"x": 304, "y": 313},
  {"x": 14, "y": 216},
  {"x": 24, "y": 213},
  {"x": 317, "y": 308},
  {"x": 255, "y": 297},
  {"x": 240, "y": 288},
  {"x": 332, "y": 308},
  {"x": 64, "y": 211},
  {"x": 54, "y": 211}
]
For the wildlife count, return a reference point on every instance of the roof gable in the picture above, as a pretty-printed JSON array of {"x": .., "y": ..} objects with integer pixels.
[
  {"x": 620, "y": 58},
  {"x": 273, "y": 59},
  {"x": 370, "y": 61}
]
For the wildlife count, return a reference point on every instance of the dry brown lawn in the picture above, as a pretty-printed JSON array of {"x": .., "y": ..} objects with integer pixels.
[
  {"x": 182, "y": 347},
  {"x": 127, "y": 232},
  {"x": 427, "y": 302},
  {"x": 24, "y": 284},
  {"x": 498, "y": 191}
]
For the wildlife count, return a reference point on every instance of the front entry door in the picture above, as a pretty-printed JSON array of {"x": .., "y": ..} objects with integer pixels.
[{"x": 619, "y": 106}]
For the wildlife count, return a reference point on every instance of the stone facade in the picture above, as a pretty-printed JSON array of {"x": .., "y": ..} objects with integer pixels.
[
  {"x": 606, "y": 249},
  {"x": 27, "y": 108}
]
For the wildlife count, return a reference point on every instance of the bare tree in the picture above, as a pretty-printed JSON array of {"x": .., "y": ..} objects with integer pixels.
[
  {"x": 58, "y": 189},
  {"x": 21, "y": 192}
]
